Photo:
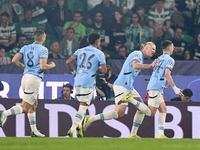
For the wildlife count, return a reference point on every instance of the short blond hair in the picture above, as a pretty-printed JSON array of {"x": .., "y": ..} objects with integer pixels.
[
  {"x": 147, "y": 43},
  {"x": 38, "y": 35}
]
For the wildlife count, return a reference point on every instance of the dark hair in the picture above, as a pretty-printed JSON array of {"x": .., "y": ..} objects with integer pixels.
[
  {"x": 196, "y": 38},
  {"x": 68, "y": 86},
  {"x": 2, "y": 48},
  {"x": 27, "y": 9},
  {"x": 70, "y": 28},
  {"x": 122, "y": 46},
  {"x": 123, "y": 21},
  {"x": 165, "y": 44},
  {"x": 52, "y": 42},
  {"x": 139, "y": 19},
  {"x": 178, "y": 28},
  {"x": 5, "y": 14},
  {"x": 22, "y": 35},
  {"x": 98, "y": 12},
  {"x": 187, "y": 92},
  {"x": 78, "y": 12},
  {"x": 93, "y": 37},
  {"x": 65, "y": 6},
  {"x": 191, "y": 55},
  {"x": 160, "y": 1}
]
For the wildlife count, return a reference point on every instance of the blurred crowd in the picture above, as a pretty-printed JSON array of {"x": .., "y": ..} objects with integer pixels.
[{"x": 122, "y": 24}]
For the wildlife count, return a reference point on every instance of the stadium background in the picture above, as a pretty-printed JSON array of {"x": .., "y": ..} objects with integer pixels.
[
  {"x": 54, "y": 117},
  {"x": 185, "y": 74}
]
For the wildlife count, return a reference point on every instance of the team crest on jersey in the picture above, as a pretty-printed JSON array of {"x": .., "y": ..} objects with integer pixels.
[
  {"x": 46, "y": 52},
  {"x": 171, "y": 63},
  {"x": 136, "y": 56}
]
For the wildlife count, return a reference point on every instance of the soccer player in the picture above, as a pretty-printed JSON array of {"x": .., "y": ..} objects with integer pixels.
[
  {"x": 124, "y": 86},
  {"x": 35, "y": 62},
  {"x": 161, "y": 73},
  {"x": 89, "y": 59}
]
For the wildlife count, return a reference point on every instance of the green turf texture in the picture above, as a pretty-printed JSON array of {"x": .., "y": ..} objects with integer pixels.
[{"x": 14, "y": 143}]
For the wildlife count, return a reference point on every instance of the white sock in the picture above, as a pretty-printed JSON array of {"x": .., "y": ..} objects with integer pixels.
[
  {"x": 161, "y": 123},
  {"x": 133, "y": 101},
  {"x": 32, "y": 121},
  {"x": 141, "y": 106},
  {"x": 13, "y": 111},
  {"x": 104, "y": 116},
  {"x": 79, "y": 116},
  {"x": 137, "y": 121}
]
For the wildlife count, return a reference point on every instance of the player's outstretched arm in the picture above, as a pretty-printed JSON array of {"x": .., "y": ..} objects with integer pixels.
[
  {"x": 16, "y": 61},
  {"x": 171, "y": 82},
  {"x": 45, "y": 66},
  {"x": 69, "y": 64},
  {"x": 154, "y": 62},
  {"x": 137, "y": 65}
]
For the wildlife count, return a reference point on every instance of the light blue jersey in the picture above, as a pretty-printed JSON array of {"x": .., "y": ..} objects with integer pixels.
[
  {"x": 128, "y": 74},
  {"x": 88, "y": 60},
  {"x": 32, "y": 54},
  {"x": 158, "y": 80}
]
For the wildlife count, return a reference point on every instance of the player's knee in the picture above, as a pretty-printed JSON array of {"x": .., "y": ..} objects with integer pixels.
[
  {"x": 34, "y": 109},
  {"x": 164, "y": 111},
  {"x": 83, "y": 103},
  {"x": 24, "y": 109},
  {"x": 120, "y": 114},
  {"x": 35, "y": 106},
  {"x": 152, "y": 114}
]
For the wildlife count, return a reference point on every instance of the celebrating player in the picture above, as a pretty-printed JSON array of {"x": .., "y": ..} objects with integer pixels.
[
  {"x": 124, "y": 86},
  {"x": 161, "y": 73},
  {"x": 35, "y": 62},
  {"x": 89, "y": 59}
]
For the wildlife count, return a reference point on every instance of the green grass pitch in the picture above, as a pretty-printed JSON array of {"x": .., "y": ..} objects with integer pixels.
[{"x": 14, "y": 143}]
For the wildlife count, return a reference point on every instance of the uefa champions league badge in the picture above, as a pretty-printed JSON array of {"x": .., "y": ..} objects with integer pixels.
[
  {"x": 80, "y": 71},
  {"x": 136, "y": 56},
  {"x": 170, "y": 64}
]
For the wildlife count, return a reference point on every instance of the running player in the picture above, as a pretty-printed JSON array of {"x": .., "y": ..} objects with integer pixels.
[
  {"x": 35, "y": 62},
  {"x": 89, "y": 59},
  {"x": 161, "y": 73},
  {"x": 124, "y": 85}
]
